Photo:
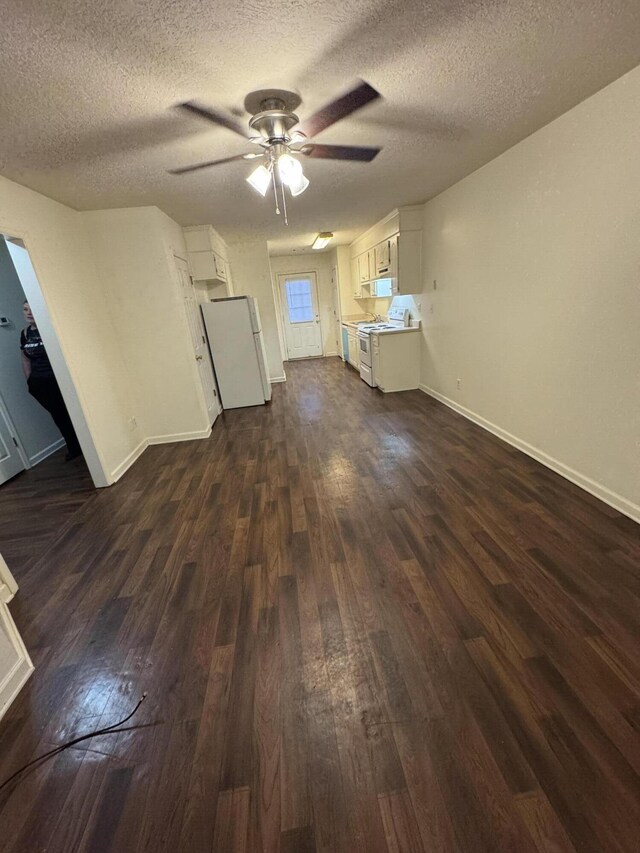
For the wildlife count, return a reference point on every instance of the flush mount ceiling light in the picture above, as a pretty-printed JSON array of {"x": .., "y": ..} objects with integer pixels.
[
  {"x": 322, "y": 239},
  {"x": 272, "y": 122}
]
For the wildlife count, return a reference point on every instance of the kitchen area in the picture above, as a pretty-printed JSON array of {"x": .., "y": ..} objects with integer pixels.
[
  {"x": 368, "y": 291},
  {"x": 382, "y": 343},
  {"x": 385, "y": 353}
]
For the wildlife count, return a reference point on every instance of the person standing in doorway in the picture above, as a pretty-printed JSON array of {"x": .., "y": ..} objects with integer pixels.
[{"x": 42, "y": 383}]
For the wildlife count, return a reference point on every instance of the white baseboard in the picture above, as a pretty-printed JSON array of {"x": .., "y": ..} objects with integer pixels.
[
  {"x": 8, "y": 585},
  {"x": 6, "y": 594},
  {"x": 124, "y": 466},
  {"x": 276, "y": 379},
  {"x": 179, "y": 436},
  {"x": 126, "y": 463},
  {"x": 613, "y": 499},
  {"x": 13, "y": 681},
  {"x": 332, "y": 353},
  {"x": 42, "y": 454}
]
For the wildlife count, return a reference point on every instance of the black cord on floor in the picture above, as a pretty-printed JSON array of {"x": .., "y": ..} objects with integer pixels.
[{"x": 112, "y": 729}]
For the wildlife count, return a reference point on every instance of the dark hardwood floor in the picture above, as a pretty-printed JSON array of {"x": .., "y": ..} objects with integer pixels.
[{"x": 364, "y": 625}]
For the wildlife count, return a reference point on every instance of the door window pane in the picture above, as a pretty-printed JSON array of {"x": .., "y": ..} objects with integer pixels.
[{"x": 299, "y": 300}]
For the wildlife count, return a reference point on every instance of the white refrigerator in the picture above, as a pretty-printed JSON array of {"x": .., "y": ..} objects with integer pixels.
[{"x": 237, "y": 350}]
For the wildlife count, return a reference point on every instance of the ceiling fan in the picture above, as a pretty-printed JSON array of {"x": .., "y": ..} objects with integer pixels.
[{"x": 282, "y": 137}]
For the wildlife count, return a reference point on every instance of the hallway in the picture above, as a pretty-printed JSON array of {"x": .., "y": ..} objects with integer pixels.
[{"x": 364, "y": 624}]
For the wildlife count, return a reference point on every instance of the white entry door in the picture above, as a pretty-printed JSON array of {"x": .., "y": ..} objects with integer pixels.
[
  {"x": 200, "y": 349},
  {"x": 11, "y": 462},
  {"x": 300, "y": 315}
]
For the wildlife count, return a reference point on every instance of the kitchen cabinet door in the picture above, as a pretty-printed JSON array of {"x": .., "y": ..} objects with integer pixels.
[
  {"x": 207, "y": 266},
  {"x": 202, "y": 266},
  {"x": 371, "y": 263},
  {"x": 355, "y": 279},
  {"x": 375, "y": 364},
  {"x": 363, "y": 268},
  {"x": 383, "y": 258},
  {"x": 221, "y": 268},
  {"x": 354, "y": 351}
]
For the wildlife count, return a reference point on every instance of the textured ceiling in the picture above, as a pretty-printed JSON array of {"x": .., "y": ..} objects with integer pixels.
[{"x": 86, "y": 91}]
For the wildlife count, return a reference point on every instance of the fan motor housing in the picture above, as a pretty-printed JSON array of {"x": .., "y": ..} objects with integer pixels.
[
  {"x": 274, "y": 124},
  {"x": 272, "y": 113}
]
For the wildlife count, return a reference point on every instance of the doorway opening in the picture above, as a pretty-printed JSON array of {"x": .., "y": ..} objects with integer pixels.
[
  {"x": 298, "y": 295},
  {"x": 40, "y": 412}
]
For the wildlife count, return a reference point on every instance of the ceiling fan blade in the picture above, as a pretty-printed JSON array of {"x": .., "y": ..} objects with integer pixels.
[
  {"x": 341, "y": 152},
  {"x": 184, "y": 169},
  {"x": 213, "y": 115},
  {"x": 342, "y": 107}
]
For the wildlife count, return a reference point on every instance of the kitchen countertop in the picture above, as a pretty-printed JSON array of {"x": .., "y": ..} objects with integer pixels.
[
  {"x": 354, "y": 324},
  {"x": 355, "y": 320},
  {"x": 411, "y": 328}
]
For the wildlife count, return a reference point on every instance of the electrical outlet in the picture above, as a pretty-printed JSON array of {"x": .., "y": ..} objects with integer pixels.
[
  {"x": 133, "y": 423},
  {"x": 458, "y": 383}
]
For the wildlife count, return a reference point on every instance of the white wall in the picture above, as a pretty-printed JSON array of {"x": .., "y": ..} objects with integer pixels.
[
  {"x": 134, "y": 251},
  {"x": 320, "y": 263},
  {"x": 252, "y": 277},
  {"x": 109, "y": 309},
  {"x": 35, "y": 428},
  {"x": 537, "y": 306},
  {"x": 75, "y": 324}
]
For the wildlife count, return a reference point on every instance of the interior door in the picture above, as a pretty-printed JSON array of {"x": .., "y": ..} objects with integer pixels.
[
  {"x": 10, "y": 460},
  {"x": 200, "y": 349},
  {"x": 301, "y": 318}
]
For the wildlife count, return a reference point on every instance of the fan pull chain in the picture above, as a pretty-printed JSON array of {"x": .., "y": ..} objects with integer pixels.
[
  {"x": 275, "y": 191},
  {"x": 284, "y": 203}
]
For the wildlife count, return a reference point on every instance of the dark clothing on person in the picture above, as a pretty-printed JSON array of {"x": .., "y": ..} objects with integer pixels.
[
  {"x": 32, "y": 346},
  {"x": 44, "y": 388}
]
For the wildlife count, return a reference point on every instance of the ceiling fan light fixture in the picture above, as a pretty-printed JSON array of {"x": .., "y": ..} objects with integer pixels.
[
  {"x": 299, "y": 186},
  {"x": 289, "y": 169},
  {"x": 322, "y": 239},
  {"x": 275, "y": 128},
  {"x": 260, "y": 179}
]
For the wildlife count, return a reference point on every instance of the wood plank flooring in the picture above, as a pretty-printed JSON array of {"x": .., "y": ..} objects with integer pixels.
[{"x": 364, "y": 625}]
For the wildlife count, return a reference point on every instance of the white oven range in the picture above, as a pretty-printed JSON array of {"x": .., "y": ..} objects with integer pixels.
[
  {"x": 366, "y": 369},
  {"x": 397, "y": 319}
]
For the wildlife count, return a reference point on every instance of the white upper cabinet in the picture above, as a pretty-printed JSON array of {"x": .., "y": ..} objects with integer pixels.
[
  {"x": 383, "y": 259},
  {"x": 371, "y": 257},
  {"x": 363, "y": 268},
  {"x": 366, "y": 266},
  {"x": 221, "y": 266},
  {"x": 206, "y": 266},
  {"x": 206, "y": 254},
  {"x": 392, "y": 249},
  {"x": 355, "y": 279}
]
